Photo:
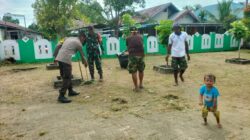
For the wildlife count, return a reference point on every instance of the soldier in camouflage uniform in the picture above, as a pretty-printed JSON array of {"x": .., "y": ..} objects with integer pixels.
[{"x": 93, "y": 44}]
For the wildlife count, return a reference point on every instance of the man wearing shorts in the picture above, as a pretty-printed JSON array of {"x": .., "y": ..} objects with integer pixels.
[
  {"x": 178, "y": 48},
  {"x": 136, "y": 63}
]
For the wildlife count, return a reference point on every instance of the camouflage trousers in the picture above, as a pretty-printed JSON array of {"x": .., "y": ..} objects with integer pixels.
[
  {"x": 179, "y": 63},
  {"x": 95, "y": 59},
  {"x": 136, "y": 63}
]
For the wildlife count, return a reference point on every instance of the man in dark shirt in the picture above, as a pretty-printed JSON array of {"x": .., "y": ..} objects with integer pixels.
[{"x": 136, "y": 63}]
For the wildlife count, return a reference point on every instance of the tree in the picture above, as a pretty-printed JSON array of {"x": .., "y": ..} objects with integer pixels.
[
  {"x": 203, "y": 15},
  {"x": 114, "y": 8},
  {"x": 226, "y": 15},
  {"x": 92, "y": 10},
  {"x": 188, "y": 7},
  {"x": 127, "y": 22},
  {"x": 246, "y": 19},
  {"x": 34, "y": 27},
  {"x": 195, "y": 7},
  {"x": 54, "y": 16},
  {"x": 164, "y": 30},
  {"x": 8, "y": 18},
  {"x": 239, "y": 31}
]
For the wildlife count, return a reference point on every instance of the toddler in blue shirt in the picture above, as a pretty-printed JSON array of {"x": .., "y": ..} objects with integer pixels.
[{"x": 208, "y": 98}]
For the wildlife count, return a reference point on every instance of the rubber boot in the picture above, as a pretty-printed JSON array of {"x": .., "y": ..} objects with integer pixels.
[
  {"x": 101, "y": 78},
  {"x": 73, "y": 93},
  {"x": 62, "y": 98},
  {"x": 92, "y": 77}
]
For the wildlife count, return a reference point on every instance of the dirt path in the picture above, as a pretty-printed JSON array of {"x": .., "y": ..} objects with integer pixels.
[{"x": 111, "y": 111}]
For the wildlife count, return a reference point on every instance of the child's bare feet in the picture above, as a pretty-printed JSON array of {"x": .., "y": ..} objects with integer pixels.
[{"x": 219, "y": 125}]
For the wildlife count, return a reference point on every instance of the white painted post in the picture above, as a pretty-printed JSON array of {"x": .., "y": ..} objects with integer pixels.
[
  {"x": 43, "y": 49},
  {"x": 206, "y": 41},
  {"x": 9, "y": 48},
  {"x": 113, "y": 46},
  {"x": 152, "y": 45}
]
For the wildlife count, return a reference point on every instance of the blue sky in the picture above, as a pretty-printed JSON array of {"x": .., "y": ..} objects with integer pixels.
[{"x": 23, "y": 7}]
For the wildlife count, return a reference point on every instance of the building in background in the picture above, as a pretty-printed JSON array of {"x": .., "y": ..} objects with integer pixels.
[
  {"x": 150, "y": 17},
  {"x": 13, "y": 31},
  {"x": 164, "y": 12}
]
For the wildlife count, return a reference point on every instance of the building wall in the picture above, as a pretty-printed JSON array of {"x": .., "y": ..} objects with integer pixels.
[
  {"x": 28, "y": 51},
  {"x": 1, "y": 35},
  {"x": 161, "y": 16}
]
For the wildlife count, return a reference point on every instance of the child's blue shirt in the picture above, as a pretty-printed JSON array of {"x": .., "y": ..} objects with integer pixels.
[{"x": 209, "y": 95}]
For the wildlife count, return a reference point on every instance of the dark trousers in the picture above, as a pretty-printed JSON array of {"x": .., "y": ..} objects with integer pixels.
[
  {"x": 66, "y": 73},
  {"x": 97, "y": 60}
]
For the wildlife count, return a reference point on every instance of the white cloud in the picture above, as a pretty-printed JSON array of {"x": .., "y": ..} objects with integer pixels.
[{"x": 22, "y": 7}]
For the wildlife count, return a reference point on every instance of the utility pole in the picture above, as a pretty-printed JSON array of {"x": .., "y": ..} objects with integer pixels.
[{"x": 19, "y": 15}]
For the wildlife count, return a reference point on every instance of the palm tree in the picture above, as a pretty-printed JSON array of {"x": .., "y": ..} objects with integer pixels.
[
  {"x": 197, "y": 7},
  {"x": 188, "y": 7},
  {"x": 225, "y": 14},
  {"x": 202, "y": 15}
]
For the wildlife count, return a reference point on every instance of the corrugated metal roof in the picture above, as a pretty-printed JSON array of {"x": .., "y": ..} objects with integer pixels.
[
  {"x": 15, "y": 26},
  {"x": 183, "y": 13},
  {"x": 150, "y": 12}
]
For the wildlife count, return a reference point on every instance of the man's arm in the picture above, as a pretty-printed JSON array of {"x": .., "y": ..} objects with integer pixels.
[
  {"x": 58, "y": 47},
  {"x": 187, "y": 50},
  {"x": 82, "y": 57},
  {"x": 169, "y": 47}
]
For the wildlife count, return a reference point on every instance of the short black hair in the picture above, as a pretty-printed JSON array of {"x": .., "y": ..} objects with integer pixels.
[
  {"x": 176, "y": 26},
  {"x": 90, "y": 28},
  {"x": 210, "y": 76}
]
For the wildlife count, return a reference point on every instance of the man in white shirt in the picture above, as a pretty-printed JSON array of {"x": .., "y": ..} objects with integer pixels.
[{"x": 178, "y": 48}]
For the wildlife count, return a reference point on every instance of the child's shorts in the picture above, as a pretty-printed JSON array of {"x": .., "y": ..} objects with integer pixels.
[{"x": 205, "y": 111}]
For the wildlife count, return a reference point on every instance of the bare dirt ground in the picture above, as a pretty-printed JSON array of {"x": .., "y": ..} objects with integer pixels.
[{"x": 111, "y": 111}]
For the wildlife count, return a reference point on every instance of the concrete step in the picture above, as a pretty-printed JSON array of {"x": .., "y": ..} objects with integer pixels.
[
  {"x": 75, "y": 81},
  {"x": 52, "y": 66}
]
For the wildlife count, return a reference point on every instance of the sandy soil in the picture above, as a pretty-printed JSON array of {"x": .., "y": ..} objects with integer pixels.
[{"x": 112, "y": 111}]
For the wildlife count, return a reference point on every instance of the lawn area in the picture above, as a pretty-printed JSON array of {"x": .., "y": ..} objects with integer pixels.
[{"x": 110, "y": 110}]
